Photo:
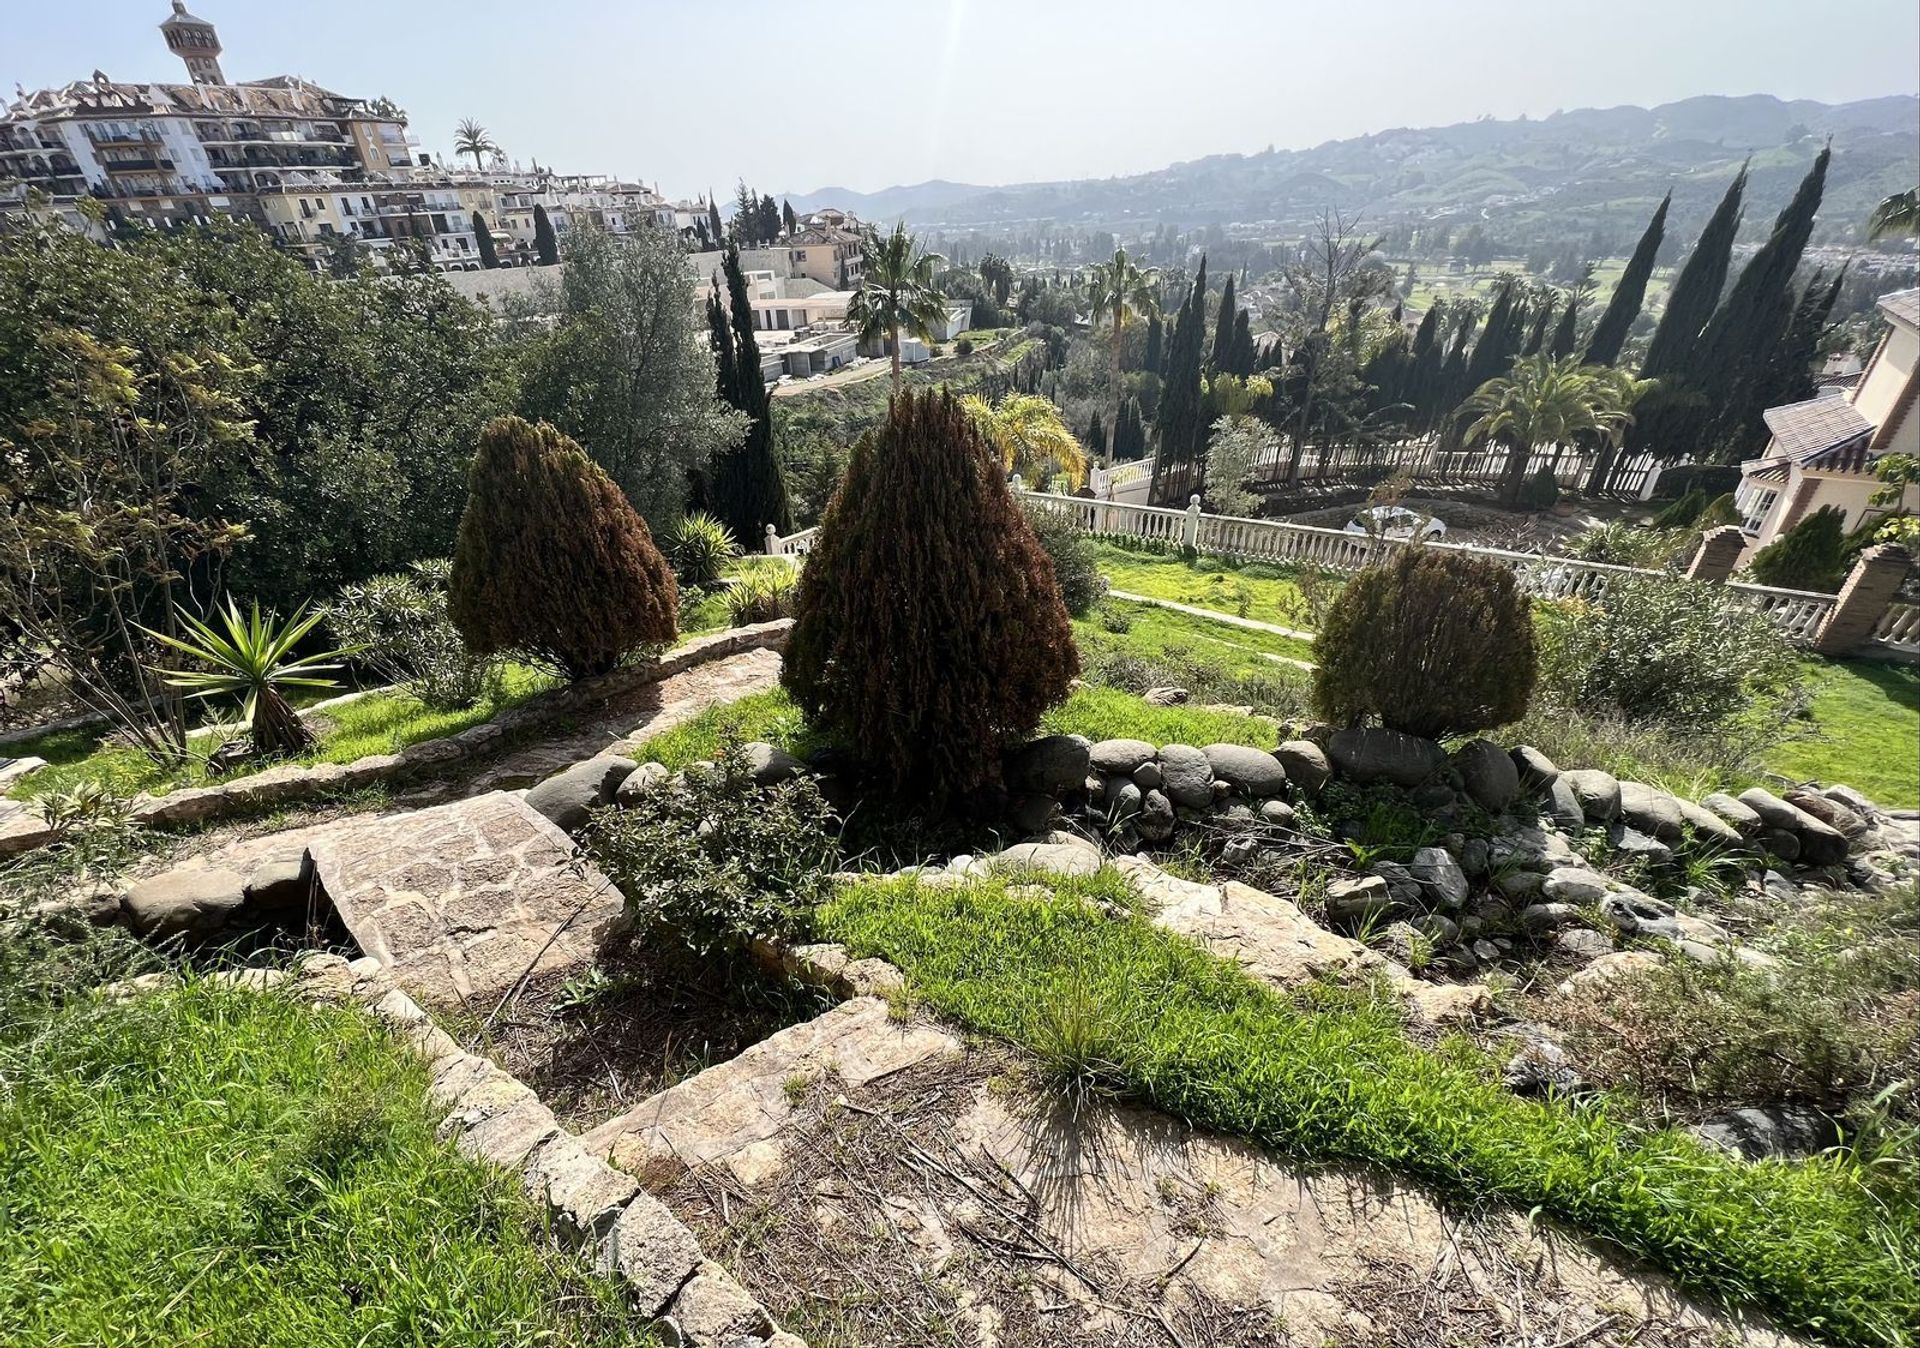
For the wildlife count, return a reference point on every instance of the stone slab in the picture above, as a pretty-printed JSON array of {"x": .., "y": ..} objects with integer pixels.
[{"x": 460, "y": 901}]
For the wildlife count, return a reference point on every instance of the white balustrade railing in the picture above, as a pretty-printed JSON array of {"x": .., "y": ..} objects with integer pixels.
[
  {"x": 793, "y": 546},
  {"x": 1899, "y": 627},
  {"x": 1798, "y": 612}
]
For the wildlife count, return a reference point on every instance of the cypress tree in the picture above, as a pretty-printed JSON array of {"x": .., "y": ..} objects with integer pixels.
[
  {"x": 1245, "y": 354},
  {"x": 788, "y": 219},
  {"x": 1223, "y": 331},
  {"x": 1609, "y": 335},
  {"x": 1180, "y": 419},
  {"x": 745, "y": 487},
  {"x": 716, "y": 228},
  {"x": 1791, "y": 378},
  {"x": 483, "y": 240},
  {"x": 1499, "y": 339},
  {"x": 552, "y": 558},
  {"x": 546, "y": 246},
  {"x": 1452, "y": 385},
  {"x": 1537, "y": 332},
  {"x": 1696, "y": 291},
  {"x": 929, "y": 633},
  {"x": 1566, "y": 332},
  {"x": 1746, "y": 332},
  {"x": 1155, "y": 339},
  {"x": 1096, "y": 436},
  {"x": 1423, "y": 366}
]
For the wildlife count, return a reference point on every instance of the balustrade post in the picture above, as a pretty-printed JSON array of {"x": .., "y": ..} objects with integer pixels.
[
  {"x": 1717, "y": 553},
  {"x": 1863, "y": 599},
  {"x": 1190, "y": 531},
  {"x": 773, "y": 541}
]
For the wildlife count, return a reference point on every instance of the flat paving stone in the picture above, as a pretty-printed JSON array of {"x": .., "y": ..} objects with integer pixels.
[{"x": 462, "y": 900}]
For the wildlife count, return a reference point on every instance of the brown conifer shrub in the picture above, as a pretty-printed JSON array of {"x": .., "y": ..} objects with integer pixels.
[
  {"x": 552, "y": 560},
  {"x": 928, "y": 631},
  {"x": 1432, "y": 643}
]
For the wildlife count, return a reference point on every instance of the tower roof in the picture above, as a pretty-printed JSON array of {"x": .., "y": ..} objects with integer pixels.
[{"x": 182, "y": 19}]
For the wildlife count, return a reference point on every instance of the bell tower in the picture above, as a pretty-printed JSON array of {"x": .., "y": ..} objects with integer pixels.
[{"x": 195, "y": 42}]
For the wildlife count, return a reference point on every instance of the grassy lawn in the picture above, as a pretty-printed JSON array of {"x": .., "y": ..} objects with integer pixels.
[
  {"x": 381, "y": 723},
  {"x": 1125, "y": 1007},
  {"x": 1254, "y": 590},
  {"x": 1865, "y": 732},
  {"x": 1154, "y": 633},
  {"x": 221, "y": 1168}
]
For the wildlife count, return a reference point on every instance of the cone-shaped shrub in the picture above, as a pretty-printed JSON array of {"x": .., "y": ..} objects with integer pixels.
[
  {"x": 929, "y": 632},
  {"x": 1433, "y": 643},
  {"x": 552, "y": 560},
  {"x": 1812, "y": 555}
]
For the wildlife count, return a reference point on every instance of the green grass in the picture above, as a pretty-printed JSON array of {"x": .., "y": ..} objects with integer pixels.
[
  {"x": 1866, "y": 731},
  {"x": 1254, "y": 590},
  {"x": 381, "y": 723},
  {"x": 221, "y": 1168},
  {"x": 1330, "y": 1076},
  {"x": 1154, "y": 632},
  {"x": 1111, "y": 714}
]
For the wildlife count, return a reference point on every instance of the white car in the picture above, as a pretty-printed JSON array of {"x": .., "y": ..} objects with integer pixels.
[{"x": 1395, "y": 522}]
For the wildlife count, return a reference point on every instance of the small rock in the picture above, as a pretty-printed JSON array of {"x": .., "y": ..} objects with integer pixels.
[
  {"x": 1535, "y": 769},
  {"x": 1238, "y": 851},
  {"x": 1782, "y": 843},
  {"x": 1165, "y": 697},
  {"x": 1277, "y": 812},
  {"x": 1440, "y": 876},
  {"x": 1032, "y": 811},
  {"x": 1758, "y": 1132},
  {"x": 1435, "y": 798},
  {"x": 1053, "y": 858},
  {"x": 1631, "y": 842},
  {"x": 1121, "y": 756},
  {"x": 281, "y": 883},
  {"x": 768, "y": 765},
  {"x": 1186, "y": 776},
  {"x": 1052, "y": 764},
  {"x": 1441, "y": 931},
  {"x": 1306, "y": 765},
  {"x": 1651, "y": 811},
  {"x": 1486, "y": 951},
  {"x": 1574, "y": 885},
  {"x": 1635, "y": 914},
  {"x": 1563, "y": 806},
  {"x": 1542, "y": 1067},
  {"x": 1540, "y": 918},
  {"x": 1253, "y": 772},
  {"x": 184, "y": 902},
  {"x": 1359, "y": 898},
  {"x": 1598, "y": 793},
  {"x": 1519, "y": 886},
  {"x": 1221, "y": 790},
  {"x": 1376, "y": 754},
  {"x": 1473, "y": 856},
  {"x": 1491, "y": 777},
  {"x": 1124, "y": 800},
  {"x": 1739, "y": 816},
  {"x": 638, "y": 782},
  {"x": 1582, "y": 943},
  {"x": 1778, "y": 887},
  {"x": 569, "y": 796},
  {"x": 1156, "y": 818},
  {"x": 1147, "y": 776},
  {"x": 1400, "y": 882}
]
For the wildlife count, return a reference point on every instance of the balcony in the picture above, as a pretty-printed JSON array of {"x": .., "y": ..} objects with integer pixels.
[
  {"x": 113, "y": 140},
  {"x": 142, "y": 164}
]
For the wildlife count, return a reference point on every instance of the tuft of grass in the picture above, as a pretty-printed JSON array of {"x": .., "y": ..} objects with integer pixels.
[
  {"x": 1109, "y": 713},
  {"x": 1333, "y": 1077},
  {"x": 218, "y": 1167}
]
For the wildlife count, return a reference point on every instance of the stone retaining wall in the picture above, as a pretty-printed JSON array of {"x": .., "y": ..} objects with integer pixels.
[{"x": 295, "y": 783}]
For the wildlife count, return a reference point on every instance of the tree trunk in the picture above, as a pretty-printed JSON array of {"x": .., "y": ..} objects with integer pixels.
[
  {"x": 1602, "y": 467},
  {"x": 895, "y": 331},
  {"x": 277, "y": 727},
  {"x": 1106, "y": 458}
]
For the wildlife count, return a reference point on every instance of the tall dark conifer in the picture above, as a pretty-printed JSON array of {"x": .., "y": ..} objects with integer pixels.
[
  {"x": 1566, "y": 333},
  {"x": 1096, "y": 437},
  {"x": 1245, "y": 356},
  {"x": 716, "y": 228},
  {"x": 546, "y": 245},
  {"x": 1180, "y": 419},
  {"x": 1609, "y": 335},
  {"x": 1223, "y": 329},
  {"x": 1156, "y": 341},
  {"x": 1743, "y": 339},
  {"x": 744, "y": 485},
  {"x": 483, "y": 240},
  {"x": 1696, "y": 291}
]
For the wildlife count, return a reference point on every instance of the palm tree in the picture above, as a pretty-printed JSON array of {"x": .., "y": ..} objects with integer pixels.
[
  {"x": 1028, "y": 433},
  {"x": 1120, "y": 290},
  {"x": 253, "y": 659},
  {"x": 471, "y": 138},
  {"x": 896, "y": 293},
  {"x": 1898, "y": 217},
  {"x": 1544, "y": 401}
]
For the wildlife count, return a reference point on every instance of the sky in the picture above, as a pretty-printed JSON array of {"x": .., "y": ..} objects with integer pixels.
[{"x": 866, "y": 94}]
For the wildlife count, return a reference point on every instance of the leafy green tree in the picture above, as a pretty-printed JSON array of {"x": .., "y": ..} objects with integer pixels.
[
  {"x": 469, "y": 137},
  {"x": 1609, "y": 335},
  {"x": 997, "y": 272},
  {"x": 483, "y": 240},
  {"x": 896, "y": 293},
  {"x": 1118, "y": 291},
  {"x": 552, "y": 560},
  {"x": 546, "y": 246},
  {"x": 929, "y": 633},
  {"x": 623, "y": 369}
]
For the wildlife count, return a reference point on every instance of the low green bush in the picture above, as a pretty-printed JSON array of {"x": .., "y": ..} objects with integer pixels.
[
  {"x": 401, "y": 627},
  {"x": 1674, "y": 651},
  {"x": 1618, "y": 543},
  {"x": 1683, "y": 512},
  {"x": 1075, "y": 566},
  {"x": 761, "y": 595},
  {"x": 1333, "y": 1077},
  {"x": 1810, "y": 556},
  {"x": 700, "y": 547},
  {"x": 711, "y": 859},
  {"x": 1432, "y": 643}
]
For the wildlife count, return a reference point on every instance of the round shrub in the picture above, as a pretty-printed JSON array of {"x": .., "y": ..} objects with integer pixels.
[
  {"x": 1810, "y": 556},
  {"x": 551, "y": 558},
  {"x": 928, "y": 633},
  {"x": 1074, "y": 568},
  {"x": 963, "y": 347},
  {"x": 1432, "y": 643}
]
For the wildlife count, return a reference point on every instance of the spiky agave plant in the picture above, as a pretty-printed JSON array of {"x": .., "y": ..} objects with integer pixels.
[{"x": 252, "y": 657}]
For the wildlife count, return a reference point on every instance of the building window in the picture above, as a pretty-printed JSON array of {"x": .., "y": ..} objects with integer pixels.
[{"x": 1753, "y": 509}]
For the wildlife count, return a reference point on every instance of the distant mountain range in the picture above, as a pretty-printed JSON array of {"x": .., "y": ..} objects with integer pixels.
[{"x": 1572, "y": 172}]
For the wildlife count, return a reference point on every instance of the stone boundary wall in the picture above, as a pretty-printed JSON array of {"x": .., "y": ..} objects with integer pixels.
[
  {"x": 296, "y": 783},
  {"x": 493, "y": 1117}
]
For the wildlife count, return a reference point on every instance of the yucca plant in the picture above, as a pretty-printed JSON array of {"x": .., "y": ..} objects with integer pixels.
[
  {"x": 701, "y": 547},
  {"x": 252, "y": 657},
  {"x": 762, "y": 595}
]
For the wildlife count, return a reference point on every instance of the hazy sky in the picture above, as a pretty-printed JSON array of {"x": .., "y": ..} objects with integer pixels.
[{"x": 865, "y": 93}]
